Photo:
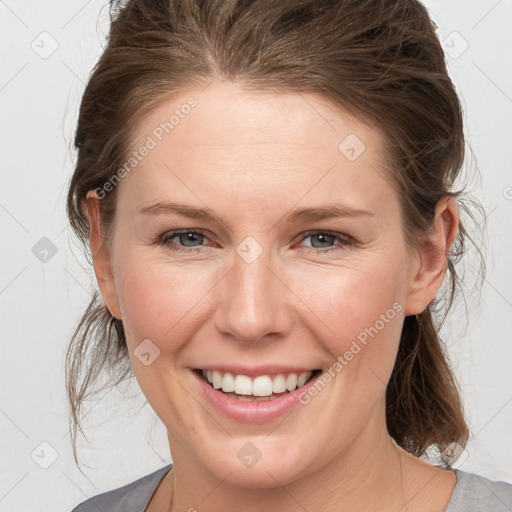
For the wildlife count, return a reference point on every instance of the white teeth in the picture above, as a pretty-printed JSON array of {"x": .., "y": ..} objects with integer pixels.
[
  {"x": 301, "y": 380},
  {"x": 250, "y": 398},
  {"x": 279, "y": 384},
  {"x": 261, "y": 386},
  {"x": 228, "y": 383},
  {"x": 291, "y": 381},
  {"x": 216, "y": 380},
  {"x": 243, "y": 385}
]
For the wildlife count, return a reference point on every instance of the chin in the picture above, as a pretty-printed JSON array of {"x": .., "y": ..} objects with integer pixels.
[{"x": 257, "y": 463}]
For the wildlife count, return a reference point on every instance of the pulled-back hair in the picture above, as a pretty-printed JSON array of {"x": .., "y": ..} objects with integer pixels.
[{"x": 379, "y": 60}]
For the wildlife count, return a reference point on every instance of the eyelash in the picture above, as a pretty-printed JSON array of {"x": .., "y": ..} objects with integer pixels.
[{"x": 165, "y": 240}]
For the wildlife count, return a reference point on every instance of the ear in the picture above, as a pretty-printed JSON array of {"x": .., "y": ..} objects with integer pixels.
[
  {"x": 428, "y": 271},
  {"x": 101, "y": 256}
]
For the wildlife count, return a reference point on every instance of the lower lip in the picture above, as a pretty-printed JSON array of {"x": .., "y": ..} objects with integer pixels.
[{"x": 252, "y": 412}]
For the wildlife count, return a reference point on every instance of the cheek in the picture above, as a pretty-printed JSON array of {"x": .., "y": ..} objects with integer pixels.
[
  {"x": 346, "y": 300},
  {"x": 158, "y": 300},
  {"x": 357, "y": 314}
]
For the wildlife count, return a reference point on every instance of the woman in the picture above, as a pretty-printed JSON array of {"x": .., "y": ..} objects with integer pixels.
[{"x": 267, "y": 189}]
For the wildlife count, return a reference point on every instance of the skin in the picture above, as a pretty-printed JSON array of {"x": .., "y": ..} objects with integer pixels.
[{"x": 252, "y": 158}]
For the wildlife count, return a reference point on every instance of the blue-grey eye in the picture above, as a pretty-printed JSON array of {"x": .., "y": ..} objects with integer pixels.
[
  {"x": 324, "y": 238},
  {"x": 186, "y": 238}
]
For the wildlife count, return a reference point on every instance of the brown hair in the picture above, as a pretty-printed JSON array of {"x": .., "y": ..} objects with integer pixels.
[{"x": 378, "y": 59}]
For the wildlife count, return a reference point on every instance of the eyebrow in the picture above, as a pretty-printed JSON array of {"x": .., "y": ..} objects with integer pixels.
[{"x": 305, "y": 214}]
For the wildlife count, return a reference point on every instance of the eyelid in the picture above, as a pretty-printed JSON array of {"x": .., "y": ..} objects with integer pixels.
[
  {"x": 165, "y": 240},
  {"x": 345, "y": 240},
  {"x": 336, "y": 234}
]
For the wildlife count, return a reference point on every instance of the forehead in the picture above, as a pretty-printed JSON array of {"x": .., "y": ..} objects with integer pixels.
[
  {"x": 226, "y": 114},
  {"x": 234, "y": 140}
]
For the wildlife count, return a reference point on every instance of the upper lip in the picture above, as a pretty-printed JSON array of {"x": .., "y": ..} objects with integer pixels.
[{"x": 254, "y": 371}]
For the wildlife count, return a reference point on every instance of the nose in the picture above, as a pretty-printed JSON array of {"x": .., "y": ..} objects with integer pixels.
[{"x": 253, "y": 301}]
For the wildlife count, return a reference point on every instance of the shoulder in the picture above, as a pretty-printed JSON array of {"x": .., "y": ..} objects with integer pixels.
[
  {"x": 132, "y": 497},
  {"x": 475, "y": 493}
]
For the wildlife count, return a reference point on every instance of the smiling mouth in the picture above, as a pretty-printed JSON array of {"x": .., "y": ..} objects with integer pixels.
[{"x": 260, "y": 388}]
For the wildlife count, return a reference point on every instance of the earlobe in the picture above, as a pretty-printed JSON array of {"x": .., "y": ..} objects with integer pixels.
[
  {"x": 429, "y": 269},
  {"x": 101, "y": 256}
]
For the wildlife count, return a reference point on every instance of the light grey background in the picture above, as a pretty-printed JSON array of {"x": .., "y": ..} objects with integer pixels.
[{"x": 42, "y": 301}]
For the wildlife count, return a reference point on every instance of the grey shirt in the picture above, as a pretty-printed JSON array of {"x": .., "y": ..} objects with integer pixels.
[{"x": 472, "y": 493}]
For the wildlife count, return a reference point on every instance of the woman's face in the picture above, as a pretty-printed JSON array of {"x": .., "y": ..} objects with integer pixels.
[{"x": 298, "y": 264}]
